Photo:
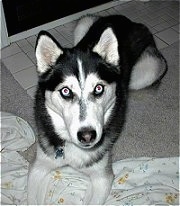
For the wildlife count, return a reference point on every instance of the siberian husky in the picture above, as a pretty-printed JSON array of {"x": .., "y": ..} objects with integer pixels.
[{"x": 82, "y": 94}]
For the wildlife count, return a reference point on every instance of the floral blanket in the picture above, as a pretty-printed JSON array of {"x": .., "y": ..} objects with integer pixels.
[{"x": 140, "y": 181}]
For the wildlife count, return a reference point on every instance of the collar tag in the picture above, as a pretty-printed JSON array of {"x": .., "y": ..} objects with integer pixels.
[{"x": 59, "y": 153}]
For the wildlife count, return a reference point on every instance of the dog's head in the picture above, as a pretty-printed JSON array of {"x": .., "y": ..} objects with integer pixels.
[{"x": 79, "y": 86}]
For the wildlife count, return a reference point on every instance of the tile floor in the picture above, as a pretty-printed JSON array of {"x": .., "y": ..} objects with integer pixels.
[{"x": 161, "y": 17}]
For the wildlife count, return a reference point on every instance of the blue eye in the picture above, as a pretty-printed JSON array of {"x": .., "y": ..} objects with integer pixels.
[
  {"x": 66, "y": 93},
  {"x": 98, "y": 90}
]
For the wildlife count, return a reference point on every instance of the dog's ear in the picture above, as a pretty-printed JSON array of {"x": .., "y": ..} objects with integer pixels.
[
  {"x": 107, "y": 47},
  {"x": 47, "y": 51}
]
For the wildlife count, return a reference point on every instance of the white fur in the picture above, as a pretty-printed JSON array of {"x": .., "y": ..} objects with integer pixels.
[
  {"x": 96, "y": 194},
  {"x": 81, "y": 73},
  {"x": 47, "y": 53},
  {"x": 107, "y": 47},
  {"x": 38, "y": 171},
  {"x": 145, "y": 72}
]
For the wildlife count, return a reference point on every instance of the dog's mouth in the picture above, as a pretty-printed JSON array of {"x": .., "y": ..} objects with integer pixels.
[{"x": 86, "y": 146}]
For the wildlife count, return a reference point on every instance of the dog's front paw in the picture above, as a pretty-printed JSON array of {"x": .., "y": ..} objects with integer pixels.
[
  {"x": 99, "y": 190},
  {"x": 88, "y": 195},
  {"x": 97, "y": 201},
  {"x": 92, "y": 199},
  {"x": 31, "y": 200}
]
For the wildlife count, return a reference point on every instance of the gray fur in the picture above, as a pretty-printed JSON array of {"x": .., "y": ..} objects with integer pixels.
[{"x": 83, "y": 111}]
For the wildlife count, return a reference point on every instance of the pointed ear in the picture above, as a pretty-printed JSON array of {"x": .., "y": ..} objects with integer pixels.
[
  {"x": 47, "y": 51},
  {"x": 107, "y": 47}
]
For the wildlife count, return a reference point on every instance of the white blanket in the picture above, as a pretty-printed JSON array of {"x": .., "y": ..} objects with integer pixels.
[{"x": 137, "y": 181}]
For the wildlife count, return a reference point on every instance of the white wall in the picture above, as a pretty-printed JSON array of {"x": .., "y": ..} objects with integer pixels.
[{"x": 5, "y": 41}]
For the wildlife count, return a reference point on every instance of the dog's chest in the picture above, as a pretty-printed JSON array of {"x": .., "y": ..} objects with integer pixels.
[
  {"x": 75, "y": 156},
  {"x": 69, "y": 154}
]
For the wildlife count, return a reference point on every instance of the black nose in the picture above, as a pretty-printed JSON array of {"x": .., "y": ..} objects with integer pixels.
[{"x": 86, "y": 135}]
